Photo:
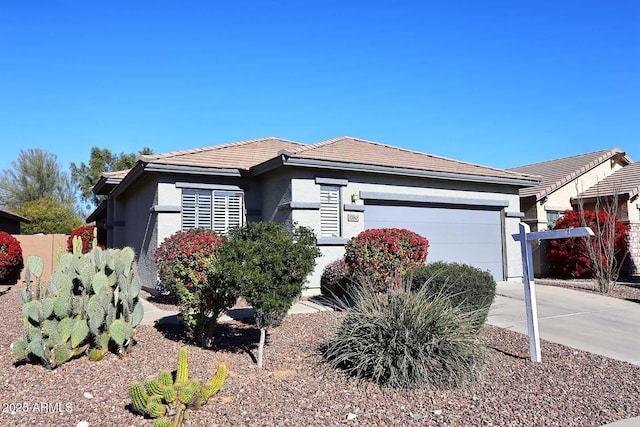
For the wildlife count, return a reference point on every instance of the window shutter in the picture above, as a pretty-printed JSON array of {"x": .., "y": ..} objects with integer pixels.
[
  {"x": 228, "y": 211},
  {"x": 329, "y": 211},
  {"x": 196, "y": 209}
]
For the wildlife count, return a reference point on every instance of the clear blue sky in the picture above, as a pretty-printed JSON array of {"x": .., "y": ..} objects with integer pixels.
[{"x": 501, "y": 83}]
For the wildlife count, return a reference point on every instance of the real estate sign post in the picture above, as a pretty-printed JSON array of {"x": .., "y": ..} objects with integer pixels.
[{"x": 525, "y": 237}]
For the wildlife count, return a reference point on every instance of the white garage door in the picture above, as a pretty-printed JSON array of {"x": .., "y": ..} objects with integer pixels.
[{"x": 465, "y": 235}]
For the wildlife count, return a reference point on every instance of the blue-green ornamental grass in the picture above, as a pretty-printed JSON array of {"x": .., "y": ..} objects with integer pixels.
[{"x": 406, "y": 339}]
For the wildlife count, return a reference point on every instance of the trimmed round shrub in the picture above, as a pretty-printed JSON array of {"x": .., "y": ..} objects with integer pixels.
[
  {"x": 335, "y": 278},
  {"x": 468, "y": 287},
  {"x": 570, "y": 257},
  {"x": 86, "y": 234},
  {"x": 382, "y": 256},
  {"x": 187, "y": 268},
  {"x": 11, "y": 262},
  {"x": 406, "y": 339}
]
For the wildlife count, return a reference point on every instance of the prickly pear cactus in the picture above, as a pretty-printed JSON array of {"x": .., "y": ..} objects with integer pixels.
[
  {"x": 162, "y": 397},
  {"x": 89, "y": 304}
]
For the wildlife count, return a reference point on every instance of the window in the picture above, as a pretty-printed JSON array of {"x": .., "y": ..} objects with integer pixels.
[
  {"x": 329, "y": 211},
  {"x": 228, "y": 211},
  {"x": 196, "y": 209},
  {"x": 552, "y": 217},
  {"x": 217, "y": 210}
]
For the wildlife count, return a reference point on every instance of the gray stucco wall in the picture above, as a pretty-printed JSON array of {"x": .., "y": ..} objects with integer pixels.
[
  {"x": 291, "y": 194},
  {"x": 306, "y": 190},
  {"x": 138, "y": 228}
]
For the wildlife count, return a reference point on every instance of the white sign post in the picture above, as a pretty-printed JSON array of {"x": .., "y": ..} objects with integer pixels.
[{"x": 525, "y": 237}]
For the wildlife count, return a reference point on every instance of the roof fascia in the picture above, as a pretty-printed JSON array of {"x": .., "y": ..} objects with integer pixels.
[
  {"x": 94, "y": 215},
  {"x": 141, "y": 168},
  {"x": 355, "y": 167},
  {"x": 14, "y": 217}
]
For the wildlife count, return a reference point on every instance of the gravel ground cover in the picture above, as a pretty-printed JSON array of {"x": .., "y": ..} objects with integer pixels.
[{"x": 570, "y": 388}]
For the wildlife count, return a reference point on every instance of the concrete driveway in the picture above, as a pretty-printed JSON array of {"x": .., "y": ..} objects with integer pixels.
[{"x": 598, "y": 324}]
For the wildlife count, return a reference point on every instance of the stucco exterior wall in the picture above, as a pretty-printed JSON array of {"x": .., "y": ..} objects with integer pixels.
[
  {"x": 305, "y": 189},
  {"x": 137, "y": 227},
  {"x": 560, "y": 200}
]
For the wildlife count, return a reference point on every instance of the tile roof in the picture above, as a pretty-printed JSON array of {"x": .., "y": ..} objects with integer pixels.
[
  {"x": 237, "y": 155},
  {"x": 558, "y": 172},
  {"x": 353, "y": 150},
  {"x": 622, "y": 181}
]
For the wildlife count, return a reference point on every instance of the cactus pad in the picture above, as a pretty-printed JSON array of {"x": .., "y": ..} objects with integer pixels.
[
  {"x": 120, "y": 331},
  {"x": 36, "y": 265},
  {"x": 79, "y": 332}
]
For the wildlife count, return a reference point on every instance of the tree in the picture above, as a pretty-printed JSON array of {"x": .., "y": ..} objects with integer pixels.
[
  {"x": 48, "y": 216},
  {"x": 34, "y": 175},
  {"x": 268, "y": 263},
  {"x": 101, "y": 160}
]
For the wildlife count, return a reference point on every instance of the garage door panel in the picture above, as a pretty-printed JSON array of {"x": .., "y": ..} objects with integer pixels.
[{"x": 469, "y": 236}]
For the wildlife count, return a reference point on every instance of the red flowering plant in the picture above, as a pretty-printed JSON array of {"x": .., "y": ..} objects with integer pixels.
[
  {"x": 381, "y": 257},
  {"x": 570, "y": 258},
  {"x": 86, "y": 234},
  {"x": 11, "y": 262},
  {"x": 187, "y": 268}
]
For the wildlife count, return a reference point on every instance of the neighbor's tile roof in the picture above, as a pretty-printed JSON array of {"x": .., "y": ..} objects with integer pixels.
[
  {"x": 622, "y": 181},
  {"x": 237, "y": 155},
  {"x": 558, "y": 172},
  {"x": 353, "y": 150}
]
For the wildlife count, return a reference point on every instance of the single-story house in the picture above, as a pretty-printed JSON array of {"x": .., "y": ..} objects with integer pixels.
[
  {"x": 562, "y": 182},
  {"x": 624, "y": 185},
  {"x": 338, "y": 187},
  {"x": 10, "y": 222}
]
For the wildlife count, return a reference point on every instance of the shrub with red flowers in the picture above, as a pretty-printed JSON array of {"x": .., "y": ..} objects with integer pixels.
[
  {"x": 570, "y": 257},
  {"x": 335, "y": 278},
  {"x": 187, "y": 268},
  {"x": 381, "y": 257},
  {"x": 11, "y": 262},
  {"x": 86, "y": 234}
]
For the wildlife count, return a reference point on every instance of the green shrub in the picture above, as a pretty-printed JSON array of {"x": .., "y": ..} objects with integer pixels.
[
  {"x": 469, "y": 287},
  {"x": 383, "y": 256},
  {"x": 335, "y": 278},
  {"x": 406, "y": 339},
  {"x": 268, "y": 264}
]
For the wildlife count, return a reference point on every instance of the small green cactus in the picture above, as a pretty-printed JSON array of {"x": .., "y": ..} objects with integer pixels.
[
  {"x": 162, "y": 396},
  {"x": 162, "y": 422},
  {"x": 182, "y": 373},
  {"x": 139, "y": 398},
  {"x": 153, "y": 386},
  {"x": 165, "y": 378}
]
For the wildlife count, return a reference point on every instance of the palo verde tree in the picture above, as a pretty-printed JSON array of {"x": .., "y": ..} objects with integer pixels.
[
  {"x": 101, "y": 160},
  {"x": 267, "y": 263}
]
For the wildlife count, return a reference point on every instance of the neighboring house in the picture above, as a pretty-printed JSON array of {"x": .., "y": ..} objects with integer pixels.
[
  {"x": 10, "y": 222},
  {"x": 624, "y": 185},
  {"x": 338, "y": 187},
  {"x": 562, "y": 180}
]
